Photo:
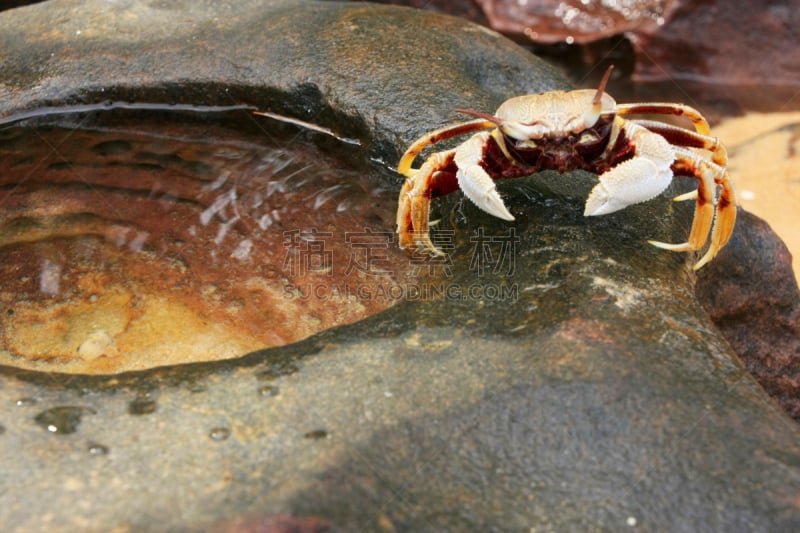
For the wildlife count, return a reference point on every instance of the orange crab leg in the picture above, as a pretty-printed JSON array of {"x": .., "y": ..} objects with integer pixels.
[
  {"x": 725, "y": 219},
  {"x": 404, "y": 167},
  {"x": 680, "y": 110},
  {"x": 436, "y": 177},
  {"x": 709, "y": 175}
]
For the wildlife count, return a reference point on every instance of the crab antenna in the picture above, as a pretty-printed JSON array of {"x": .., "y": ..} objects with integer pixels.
[
  {"x": 480, "y": 114},
  {"x": 598, "y": 96}
]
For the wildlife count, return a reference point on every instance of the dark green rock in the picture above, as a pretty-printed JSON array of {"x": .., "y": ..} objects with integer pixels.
[
  {"x": 364, "y": 70},
  {"x": 570, "y": 383}
]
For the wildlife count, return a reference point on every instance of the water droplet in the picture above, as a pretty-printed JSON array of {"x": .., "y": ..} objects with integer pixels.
[
  {"x": 97, "y": 449},
  {"x": 219, "y": 433},
  {"x": 24, "y": 402},
  {"x": 142, "y": 406},
  {"x": 63, "y": 420},
  {"x": 268, "y": 391},
  {"x": 316, "y": 434}
]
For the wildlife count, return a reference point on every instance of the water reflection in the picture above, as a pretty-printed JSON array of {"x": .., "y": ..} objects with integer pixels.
[{"x": 126, "y": 249}]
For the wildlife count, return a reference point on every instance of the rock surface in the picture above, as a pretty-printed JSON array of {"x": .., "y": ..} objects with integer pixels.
[
  {"x": 564, "y": 377},
  {"x": 752, "y": 295},
  {"x": 664, "y": 44},
  {"x": 758, "y": 67},
  {"x": 574, "y": 21}
]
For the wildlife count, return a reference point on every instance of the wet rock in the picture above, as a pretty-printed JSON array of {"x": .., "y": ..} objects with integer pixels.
[
  {"x": 575, "y": 21},
  {"x": 282, "y": 77},
  {"x": 649, "y": 39},
  {"x": 285, "y": 76},
  {"x": 468, "y": 9},
  {"x": 10, "y": 4},
  {"x": 752, "y": 296},
  {"x": 757, "y": 67},
  {"x": 553, "y": 374},
  {"x": 550, "y": 21}
]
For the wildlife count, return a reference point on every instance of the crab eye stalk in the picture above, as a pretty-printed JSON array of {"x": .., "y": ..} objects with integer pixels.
[
  {"x": 590, "y": 118},
  {"x": 480, "y": 114},
  {"x": 597, "y": 101}
]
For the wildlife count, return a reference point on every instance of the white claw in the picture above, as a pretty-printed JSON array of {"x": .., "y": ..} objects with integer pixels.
[
  {"x": 473, "y": 180},
  {"x": 493, "y": 204},
  {"x": 599, "y": 202},
  {"x": 636, "y": 180},
  {"x": 480, "y": 188}
]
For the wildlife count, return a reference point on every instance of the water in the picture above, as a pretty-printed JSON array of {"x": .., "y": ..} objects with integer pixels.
[
  {"x": 62, "y": 420},
  {"x": 219, "y": 433},
  {"x": 130, "y": 246},
  {"x": 142, "y": 406}
]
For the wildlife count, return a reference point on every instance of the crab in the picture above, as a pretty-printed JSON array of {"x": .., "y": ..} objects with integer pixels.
[{"x": 635, "y": 160}]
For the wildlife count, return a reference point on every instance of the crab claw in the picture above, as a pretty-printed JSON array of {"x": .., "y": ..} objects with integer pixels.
[
  {"x": 486, "y": 198},
  {"x": 636, "y": 180},
  {"x": 473, "y": 180},
  {"x": 631, "y": 182}
]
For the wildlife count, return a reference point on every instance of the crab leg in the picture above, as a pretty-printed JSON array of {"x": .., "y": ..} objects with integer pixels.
[
  {"x": 709, "y": 175},
  {"x": 725, "y": 219},
  {"x": 435, "y": 178},
  {"x": 690, "y": 163},
  {"x": 681, "y": 110},
  {"x": 404, "y": 167}
]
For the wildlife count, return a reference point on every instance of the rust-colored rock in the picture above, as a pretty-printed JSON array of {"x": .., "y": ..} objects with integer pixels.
[
  {"x": 740, "y": 51},
  {"x": 125, "y": 250},
  {"x": 575, "y": 21},
  {"x": 751, "y": 294}
]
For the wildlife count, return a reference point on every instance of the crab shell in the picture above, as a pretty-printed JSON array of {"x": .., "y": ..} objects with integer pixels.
[{"x": 557, "y": 113}]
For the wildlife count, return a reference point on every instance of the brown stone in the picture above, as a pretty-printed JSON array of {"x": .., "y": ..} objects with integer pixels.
[{"x": 751, "y": 294}]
